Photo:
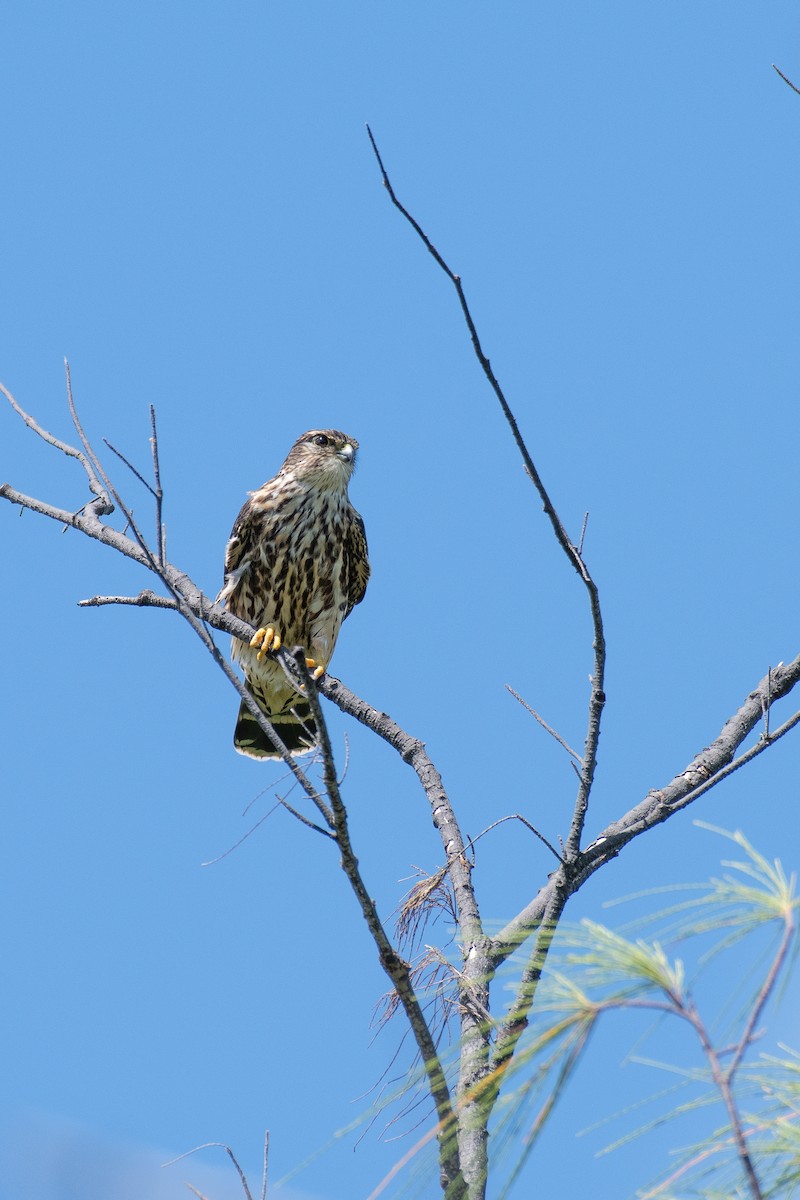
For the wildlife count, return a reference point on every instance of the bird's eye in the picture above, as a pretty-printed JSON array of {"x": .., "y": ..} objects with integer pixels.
[{"x": 321, "y": 440}]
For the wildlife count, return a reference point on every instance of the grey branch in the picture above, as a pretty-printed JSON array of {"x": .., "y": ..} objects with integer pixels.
[
  {"x": 546, "y": 727},
  {"x": 706, "y": 770},
  {"x": 156, "y": 489},
  {"x": 786, "y": 79},
  {"x": 95, "y": 487},
  {"x": 524, "y": 821},
  {"x": 597, "y": 697}
]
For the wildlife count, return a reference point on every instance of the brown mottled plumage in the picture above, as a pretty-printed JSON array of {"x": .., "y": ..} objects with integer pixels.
[{"x": 295, "y": 566}]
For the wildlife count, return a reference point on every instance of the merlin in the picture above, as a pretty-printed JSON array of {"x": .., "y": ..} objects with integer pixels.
[{"x": 295, "y": 566}]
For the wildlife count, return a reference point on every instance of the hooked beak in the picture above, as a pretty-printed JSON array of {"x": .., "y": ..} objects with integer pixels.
[{"x": 346, "y": 453}]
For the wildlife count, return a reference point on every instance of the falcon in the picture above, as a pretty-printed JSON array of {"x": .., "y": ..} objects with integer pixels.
[{"x": 295, "y": 566}]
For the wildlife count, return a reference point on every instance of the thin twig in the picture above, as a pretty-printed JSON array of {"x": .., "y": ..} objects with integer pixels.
[
  {"x": 200, "y": 1195},
  {"x": 88, "y": 451},
  {"x": 526, "y": 823},
  {"x": 346, "y": 767},
  {"x": 212, "y": 862},
  {"x": 566, "y": 746},
  {"x": 266, "y": 1166},
  {"x": 212, "y": 1146},
  {"x": 785, "y": 80},
  {"x": 304, "y": 820},
  {"x": 129, "y": 465},
  {"x": 583, "y": 534},
  {"x": 98, "y": 467},
  {"x": 766, "y": 705},
  {"x": 95, "y": 486},
  {"x": 157, "y": 490}
]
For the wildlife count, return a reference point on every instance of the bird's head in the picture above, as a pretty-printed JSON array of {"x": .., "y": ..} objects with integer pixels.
[{"x": 324, "y": 458}]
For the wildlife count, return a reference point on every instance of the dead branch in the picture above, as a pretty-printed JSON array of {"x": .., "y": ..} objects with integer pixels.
[
  {"x": 524, "y": 821},
  {"x": 707, "y": 769},
  {"x": 548, "y": 728},
  {"x": 786, "y": 79},
  {"x": 573, "y": 553}
]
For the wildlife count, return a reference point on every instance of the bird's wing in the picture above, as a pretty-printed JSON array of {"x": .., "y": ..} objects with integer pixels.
[
  {"x": 238, "y": 552},
  {"x": 358, "y": 562}
]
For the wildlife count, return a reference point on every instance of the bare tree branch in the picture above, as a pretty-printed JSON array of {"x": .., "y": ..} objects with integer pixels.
[
  {"x": 145, "y": 599},
  {"x": 157, "y": 492},
  {"x": 222, "y": 1146},
  {"x": 785, "y": 79},
  {"x": 545, "y": 726},
  {"x": 707, "y": 769},
  {"x": 90, "y": 461},
  {"x": 95, "y": 487},
  {"x": 130, "y": 465},
  {"x": 526, "y": 823},
  {"x": 597, "y": 697}
]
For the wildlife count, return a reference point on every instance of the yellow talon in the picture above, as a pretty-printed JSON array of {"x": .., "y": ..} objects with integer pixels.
[
  {"x": 265, "y": 640},
  {"x": 318, "y": 668}
]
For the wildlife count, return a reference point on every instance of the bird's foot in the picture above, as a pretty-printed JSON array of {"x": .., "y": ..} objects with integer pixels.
[
  {"x": 264, "y": 640},
  {"x": 316, "y": 668}
]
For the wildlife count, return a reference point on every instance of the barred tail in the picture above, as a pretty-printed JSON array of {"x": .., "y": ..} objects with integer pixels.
[{"x": 296, "y": 730}]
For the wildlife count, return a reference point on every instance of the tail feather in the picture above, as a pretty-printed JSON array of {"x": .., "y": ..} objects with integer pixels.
[{"x": 296, "y": 730}]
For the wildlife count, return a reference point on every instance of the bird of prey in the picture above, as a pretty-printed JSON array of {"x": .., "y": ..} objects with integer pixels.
[{"x": 295, "y": 565}]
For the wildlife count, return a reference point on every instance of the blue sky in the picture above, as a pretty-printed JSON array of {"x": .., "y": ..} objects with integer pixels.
[{"x": 192, "y": 215}]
